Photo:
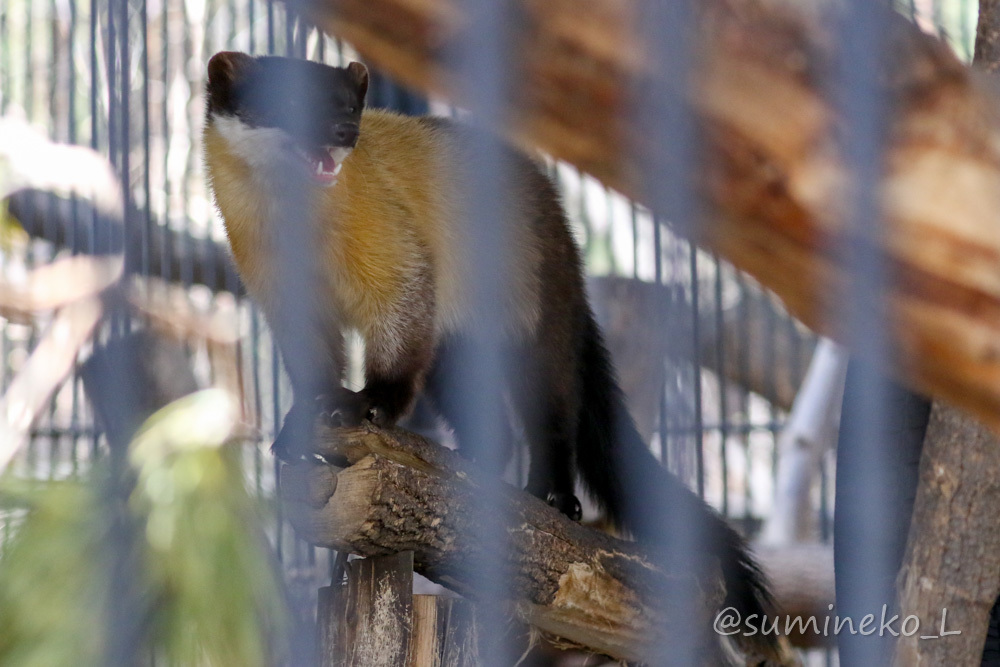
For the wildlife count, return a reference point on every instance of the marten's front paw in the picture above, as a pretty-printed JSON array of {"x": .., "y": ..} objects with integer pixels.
[
  {"x": 346, "y": 408},
  {"x": 566, "y": 503},
  {"x": 295, "y": 438}
]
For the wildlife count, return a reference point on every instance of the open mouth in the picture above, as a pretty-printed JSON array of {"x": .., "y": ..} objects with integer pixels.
[{"x": 323, "y": 163}]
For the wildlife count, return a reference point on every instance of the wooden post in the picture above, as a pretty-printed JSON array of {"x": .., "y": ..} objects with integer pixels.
[
  {"x": 375, "y": 620},
  {"x": 953, "y": 557},
  {"x": 444, "y": 632}
]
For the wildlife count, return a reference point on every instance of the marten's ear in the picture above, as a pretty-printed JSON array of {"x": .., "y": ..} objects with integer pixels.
[
  {"x": 226, "y": 66},
  {"x": 359, "y": 75},
  {"x": 224, "y": 69}
]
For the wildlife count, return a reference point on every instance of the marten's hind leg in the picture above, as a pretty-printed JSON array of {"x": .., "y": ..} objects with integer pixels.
[
  {"x": 547, "y": 401},
  {"x": 461, "y": 400}
]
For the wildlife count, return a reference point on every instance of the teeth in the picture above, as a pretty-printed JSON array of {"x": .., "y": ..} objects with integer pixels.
[
  {"x": 319, "y": 168},
  {"x": 337, "y": 169}
]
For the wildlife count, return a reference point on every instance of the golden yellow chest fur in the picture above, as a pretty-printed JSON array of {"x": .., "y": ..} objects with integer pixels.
[
  {"x": 369, "y": 241},
  {"x": 388, "y": 222}
]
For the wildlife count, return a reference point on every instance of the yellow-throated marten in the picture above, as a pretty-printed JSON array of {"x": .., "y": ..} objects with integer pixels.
[{"x": 382, "y": 212}]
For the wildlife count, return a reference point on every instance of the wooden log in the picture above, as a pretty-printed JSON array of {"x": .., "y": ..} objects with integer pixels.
[
  {"x": 394, "y": 491},
  {"x": 740, "y": 343},
  {"x": 50, "y": 363},
  {"x": 809, "y": 432},
  {"x": 770, "y": 177},
  {"x": 801, "y": 578},
  {"x": 952, "y": 560}
]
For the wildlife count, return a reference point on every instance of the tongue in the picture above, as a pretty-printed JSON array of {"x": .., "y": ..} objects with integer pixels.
[{"x": 329, "y": 164}]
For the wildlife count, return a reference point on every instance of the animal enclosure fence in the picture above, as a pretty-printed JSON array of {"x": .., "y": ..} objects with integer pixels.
[{"x": 126, "y": 79}]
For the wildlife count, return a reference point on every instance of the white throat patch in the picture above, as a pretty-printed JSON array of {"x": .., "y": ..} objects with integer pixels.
[
  {"x": 271, "y": 150},
  {"x": 257, "y": 146}
]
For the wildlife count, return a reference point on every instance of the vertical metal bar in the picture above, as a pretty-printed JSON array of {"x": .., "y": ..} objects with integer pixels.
[
  {"x": 699, "y": 425},
  {"x": 57, "y": 83},
  {"x": 275, "y": 427},
  {"x": 71, "y": 129},
  {"x": 94, "y": 142},
  {"x": 480, "y": 62},
  {"x": 166, "y": 251},
  {"x": 258, "y": 403},
  {"x": 125, "y": 127},
  {"x": 289, "y": 35},
  {"x": 720, "y": 364},
  {"x": 29, "y": 78},
  {"x": 270, "y": 27},
  {"x": 863, "y": 548},
  {"x": 743, "y": 353},
  {"x": 149, "y": 226},
  {"x": 634, "y": 220},
  {"x": 111, "y": 42},
  {"x": 77, "y": 404},
  {"x": 276, "y": 393},
  {"x": 186, "y": 254},
  {"x": 252, "y": 21},
  {"x": 770, "y": 362},
  {"x": 93, "y": 83},
  {"x": 824, "y": 504},
  {"x": 665, "y": 413},
  {"x": 664, "y": 119},
  {"x": 5, "y": 81}
]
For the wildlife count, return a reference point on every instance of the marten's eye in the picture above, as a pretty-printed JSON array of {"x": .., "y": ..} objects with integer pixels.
[{"x": 351, "y": 109}]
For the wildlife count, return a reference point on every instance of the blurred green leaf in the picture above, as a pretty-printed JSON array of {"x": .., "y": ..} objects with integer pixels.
[
  {"x": 52, "y": 583},
  {"x": 220, "y": 601},
  {"x": 204, "y": 590}
]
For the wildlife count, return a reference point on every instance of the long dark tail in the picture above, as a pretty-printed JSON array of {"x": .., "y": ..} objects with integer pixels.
[{"x": 630, "y": 484}]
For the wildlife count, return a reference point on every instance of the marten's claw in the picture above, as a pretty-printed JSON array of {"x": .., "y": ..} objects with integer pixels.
[
  {"x": 344, "y": 408},
  {"x": 378, "y": 416}
]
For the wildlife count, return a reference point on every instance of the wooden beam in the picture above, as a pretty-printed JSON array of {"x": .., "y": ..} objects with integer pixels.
[{"x": 770, "y": 177}]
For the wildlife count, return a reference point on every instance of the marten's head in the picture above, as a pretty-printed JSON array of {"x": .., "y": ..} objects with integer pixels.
[{"x": 278, "y": 112}]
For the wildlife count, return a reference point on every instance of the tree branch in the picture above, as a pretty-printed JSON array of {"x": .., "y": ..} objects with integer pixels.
[{"x": 82, "y": 225}]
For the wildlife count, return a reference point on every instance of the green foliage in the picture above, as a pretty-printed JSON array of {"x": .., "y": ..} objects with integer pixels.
[
  {"x": 197, "y": 573},
  {"x": 208, "y": 566},
  {"x": 52, "y": 582}
]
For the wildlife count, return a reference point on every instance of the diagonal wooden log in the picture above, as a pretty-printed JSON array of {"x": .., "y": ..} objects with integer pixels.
[
  {"x": 392, "y": 491},
  {"x": 770, "y": 175}
]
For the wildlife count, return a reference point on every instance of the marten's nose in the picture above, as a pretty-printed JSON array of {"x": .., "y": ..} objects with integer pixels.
[{"x": 346, "y": 134}]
